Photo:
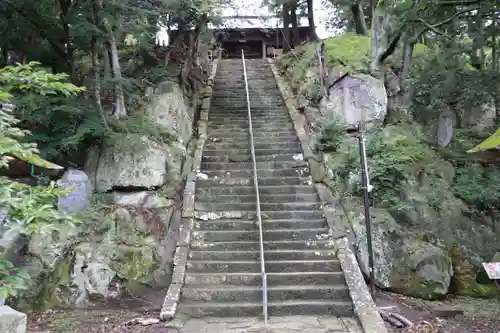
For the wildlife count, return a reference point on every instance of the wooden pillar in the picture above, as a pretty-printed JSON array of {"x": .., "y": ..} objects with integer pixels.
[{"x": 264, "y": 50}]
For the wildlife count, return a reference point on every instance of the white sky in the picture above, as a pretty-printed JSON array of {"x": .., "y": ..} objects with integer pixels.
[{"x": 253, "y": 7}]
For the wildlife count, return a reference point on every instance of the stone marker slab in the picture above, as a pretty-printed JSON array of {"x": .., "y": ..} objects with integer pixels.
[
  {"x": 81, "y": 193},
  {"x": 12, "y": 321}
]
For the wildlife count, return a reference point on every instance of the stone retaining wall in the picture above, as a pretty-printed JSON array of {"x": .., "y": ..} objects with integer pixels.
[{"x": 182, "y": 249}]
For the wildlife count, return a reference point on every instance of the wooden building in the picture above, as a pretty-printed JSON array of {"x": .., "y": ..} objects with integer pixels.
[
  {"x": 255, "y": 42},
  {"x": 257, "y": 36}
]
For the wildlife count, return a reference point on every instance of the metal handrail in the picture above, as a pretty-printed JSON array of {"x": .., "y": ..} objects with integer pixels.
[{"x": 256, "y": 185}]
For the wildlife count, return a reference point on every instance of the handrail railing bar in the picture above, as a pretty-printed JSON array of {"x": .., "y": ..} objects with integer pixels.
[{"x": 256, "y": 185}]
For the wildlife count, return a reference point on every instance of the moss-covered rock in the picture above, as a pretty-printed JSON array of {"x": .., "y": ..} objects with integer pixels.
[
  {"x": 402, "y": 263},
  {"x": 130, "y": 161}
]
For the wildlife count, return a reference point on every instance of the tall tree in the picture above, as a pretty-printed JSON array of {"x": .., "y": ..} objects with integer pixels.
[{"x": 313, "y": 36}]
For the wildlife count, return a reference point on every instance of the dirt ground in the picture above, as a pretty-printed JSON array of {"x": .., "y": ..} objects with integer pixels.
[{"x": 453, "y": 315}]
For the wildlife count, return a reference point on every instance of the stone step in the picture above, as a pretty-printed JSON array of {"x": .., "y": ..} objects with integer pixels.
[
  {"x": 268, "y": 245},
  {"x": 253, "y": 235},
  {"x": 285, "y": 308},
  {"x": 246, "y": 151},
  {"x": 239, "y": 106},
  {"x": 290, "y": 172},
  {"x": 243, "y": 122},
  {"x": 262, "y": 133},
  {"x": 255, "y": 279},
  {"x": 276, "y": 255},
  {"x": 239, "y": 92},
  {"x": 225, "y": 116},
  {"x": 235, "y": 224},
  {"x": 219, "y": 144},
  {"x": 231, "y": 166},
  {"x": 250, "y": 190},
  {"x": 229, "y": 181},
  {"x": 258, "y": 136},
  {"x": 244, "y": 158},
  {"x": 208, "y": 206},
  {"x": 251, "y": 198},
  {"x": 271, "y": 215},
  {"x": 240, "y": 97},
  {"x": 238, "y": 293},
  {"x": 282, "y": 126},
  {"x": 254, "y": 266},
  {"x": 258, "y": 140},
  {"x": 241, "y": 110}
]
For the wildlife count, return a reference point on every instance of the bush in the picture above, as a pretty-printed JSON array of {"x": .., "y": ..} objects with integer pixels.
[{"x": 30, "y": 209}]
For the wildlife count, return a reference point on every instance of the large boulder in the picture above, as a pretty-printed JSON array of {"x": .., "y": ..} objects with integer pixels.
[
  {"x": 356, "y": 97},
  {"x": 127, "y": 249},
  {"x": 12, "y": 321},
  {"x": 170, "y": 108},
  {"x": 402, "y": 262},
  {"x": 479, "y": 117},
  {"x": 128, "y": 161},
  {"x": 432, "y": 211}
]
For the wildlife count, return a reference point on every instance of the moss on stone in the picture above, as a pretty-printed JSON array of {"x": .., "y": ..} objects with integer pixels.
[
  {"x": 345, "y": 53},
  {"x": 134, "y": 263},
  {"x": 51, "y": 289}
]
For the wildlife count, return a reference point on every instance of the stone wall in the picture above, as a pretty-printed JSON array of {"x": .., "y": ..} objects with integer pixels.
[
  {"x": 412, "y": 244},
  {"x": 139, "y": 181}
]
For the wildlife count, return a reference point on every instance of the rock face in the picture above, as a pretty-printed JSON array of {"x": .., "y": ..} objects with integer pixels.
[
  {"x": 356, "y": 97},
  {"x": 12, "y": 321},
  {"x": 132, "y": 246},
  {"x": 480, "y": 117},
  {"x": 402, "y": 263},
  {"x": 131, "y": 161},
  {"x": 418, "y": 217},
  {"x": 169, "y": 108}
]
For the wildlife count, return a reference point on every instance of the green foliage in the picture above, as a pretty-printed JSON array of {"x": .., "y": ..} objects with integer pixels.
[
  {"x": 396, "y": 156},
  {"x": 332, "y": 132},
  {"x": 478, "y": 186},
  {"x": 29, "y": 78},
  {"x": 142, "y": 126},
  {"x": 449, "y": 81},
  {"x": 30, "y": 209},
  {"x": 345, "y": 53}
]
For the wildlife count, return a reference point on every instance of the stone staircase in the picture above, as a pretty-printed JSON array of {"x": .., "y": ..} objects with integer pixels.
[{"x": 223, "y": 270}]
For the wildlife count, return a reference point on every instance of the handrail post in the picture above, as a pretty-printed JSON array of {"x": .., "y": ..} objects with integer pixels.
[{"x": 256, "y": 185}]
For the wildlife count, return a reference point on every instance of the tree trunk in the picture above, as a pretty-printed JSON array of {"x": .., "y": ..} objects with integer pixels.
[
  {"x": 295, "y": 25},
  {"x": 358, "y": 16},
  {"x": 399, "y": 103},
  {"x": 69, "y": 47},
  {"x": 286, "y": 28},
  {"x": 377, "y": 36},
  {"x": 5, "y": 55},
  {"x": 310, "y": 17},
  {"x": 96, "y": 88},
  {"x": 120, "y": 108},
  {"x": 194, "y": 45},
  {"x": 406, "y": 62},
  {"x": 494, "y": 51},
  {"x": 105, "y": 59}
]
